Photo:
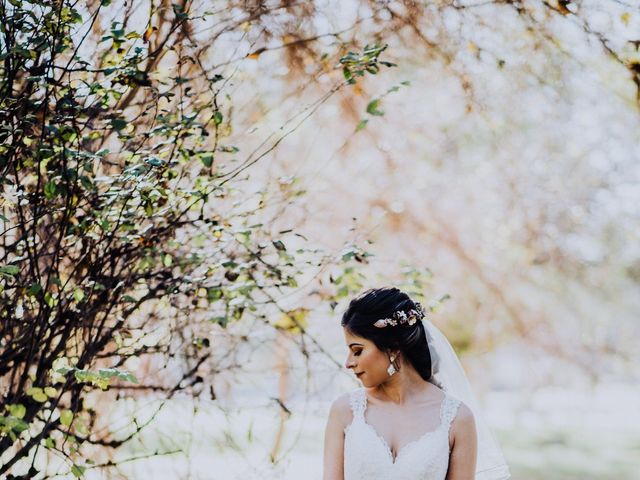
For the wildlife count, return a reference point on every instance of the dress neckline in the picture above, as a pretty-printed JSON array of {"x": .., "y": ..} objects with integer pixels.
[{"x": 409, "y": 444}]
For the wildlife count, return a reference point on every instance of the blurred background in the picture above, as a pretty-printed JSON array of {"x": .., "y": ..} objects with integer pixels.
[
  {"x": 490, "y": 168},
  {"x": 496, "y": 176}
]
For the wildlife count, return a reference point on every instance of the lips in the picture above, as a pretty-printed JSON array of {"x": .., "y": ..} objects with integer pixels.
[{"x": 359, "y": 374}]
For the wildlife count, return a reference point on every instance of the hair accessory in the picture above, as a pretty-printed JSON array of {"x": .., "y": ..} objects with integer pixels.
[{"x": 400, "y": 317}]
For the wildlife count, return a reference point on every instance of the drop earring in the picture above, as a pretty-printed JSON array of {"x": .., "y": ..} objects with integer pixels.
[{"x": 391, "y": 369}]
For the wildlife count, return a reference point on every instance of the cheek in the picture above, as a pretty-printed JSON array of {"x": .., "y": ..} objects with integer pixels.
[
  {"x": 375, "y": 365},
  {"x": 374, "y": 361}
]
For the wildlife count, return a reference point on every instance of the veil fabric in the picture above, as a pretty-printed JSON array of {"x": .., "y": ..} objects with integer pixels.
[{"x": 448, "y": 374}]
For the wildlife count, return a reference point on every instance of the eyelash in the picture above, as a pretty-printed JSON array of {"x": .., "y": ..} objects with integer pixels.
[{"x": 357, "y": 353}]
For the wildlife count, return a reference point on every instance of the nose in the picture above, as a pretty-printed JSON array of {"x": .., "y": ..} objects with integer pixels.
[{"x": 349, "y": 363}]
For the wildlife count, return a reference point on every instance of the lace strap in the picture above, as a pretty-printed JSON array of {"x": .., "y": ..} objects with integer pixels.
[
  {"x": 448, "y": 410},
  {"x": 358, "y": 401}
]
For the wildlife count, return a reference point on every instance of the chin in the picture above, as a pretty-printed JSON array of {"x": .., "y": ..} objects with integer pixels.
[{"x": 368, "y": 383}]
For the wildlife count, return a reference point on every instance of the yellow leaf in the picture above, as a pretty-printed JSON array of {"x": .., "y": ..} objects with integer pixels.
[
  {"x": 50, "y": 391},
  {"x": 40, "y": 397},
  {"x": 255, "y": 54},
  {"x": 625, "y": 17},
  {"x": 148, "y": 32},
  {"x": 292, "y": 320},
  {"x": 563, "y": 7},
  {"x": 224, "y": 130}
]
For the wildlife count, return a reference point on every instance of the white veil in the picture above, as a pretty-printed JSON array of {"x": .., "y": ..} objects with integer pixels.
[{"x": 448, "y": 374}]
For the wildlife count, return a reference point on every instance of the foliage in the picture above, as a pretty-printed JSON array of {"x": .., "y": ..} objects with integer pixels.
[
  {"x": 127, "y": 232},
  {"x": 131, "y": 225}
]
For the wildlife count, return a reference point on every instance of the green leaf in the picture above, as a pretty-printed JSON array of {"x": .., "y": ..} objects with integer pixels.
[
  {"x": 9, "y": 270},
  {"x": 347, "y": 75},
  {"x": 14, "y": 425},
  {"x": 217, "y": 118},
  {"x": 40, "y": 397},
  {"x": 78, "y": 294},
  {"x": 49, "y": 443},
  {"x": 154, "y": 161},
  {"x": 279, "y": 245},
  {"x": 214, "y": 294},
  {"x": 78, "y": 471},
  {"x": 118, "y": 123},
  {"x": 86, "y": 182},
  {"x": 37, "y": 394},
  {"x": 18, "y": 410},
  {"x": 69, "y": 135},
  {"x": 66, "y": 417},
  {"x": 127, "y": 377},
  {"x": 50, "y": 190},
  {"x": 34, "y": 289},
  {"x": 107, "y": 373},
  {"x": 49, "y": 300},
  {"x": 222, "y": 321},
  {"x": 206, "y": 159},
  {"x": 361, "y": 124},
  {"x": 372, "y": 108}
]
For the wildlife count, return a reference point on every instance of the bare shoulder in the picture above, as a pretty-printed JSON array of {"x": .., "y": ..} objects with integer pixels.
[
  {"x": 334, "y": 438},
  {"x": 340, "y": 413},
  {"x": 464, "y": 423},
  {"x": 341, "y": 410},
  {"x": 465, "y": 415},
  {"x": 463, "y": 444}
]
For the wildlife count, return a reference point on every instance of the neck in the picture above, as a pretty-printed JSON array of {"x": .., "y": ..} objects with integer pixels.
[{"x": 402, "y": 386}]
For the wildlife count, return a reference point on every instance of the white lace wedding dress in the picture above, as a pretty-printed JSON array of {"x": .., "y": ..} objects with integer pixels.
[{"x": 368, "y": 457}]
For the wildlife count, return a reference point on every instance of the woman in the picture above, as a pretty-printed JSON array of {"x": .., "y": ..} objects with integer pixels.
[{"x": 408, "y": 420}]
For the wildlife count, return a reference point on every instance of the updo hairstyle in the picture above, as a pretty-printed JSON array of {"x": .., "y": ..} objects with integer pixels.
[{"x": 379, "y": 303}]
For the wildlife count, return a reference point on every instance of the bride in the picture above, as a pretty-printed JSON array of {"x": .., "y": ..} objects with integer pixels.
[{"x": 415, "y": 417}]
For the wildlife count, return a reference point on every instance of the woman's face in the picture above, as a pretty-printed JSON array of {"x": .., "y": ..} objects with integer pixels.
[{"x": 368, "y": 363}]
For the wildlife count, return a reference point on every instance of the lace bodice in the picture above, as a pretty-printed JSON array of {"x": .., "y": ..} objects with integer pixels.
[{"x": 368, "y": 457}]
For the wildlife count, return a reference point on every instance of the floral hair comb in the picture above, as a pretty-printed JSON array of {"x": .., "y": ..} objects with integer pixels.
[{"x": 400, "y": 317}]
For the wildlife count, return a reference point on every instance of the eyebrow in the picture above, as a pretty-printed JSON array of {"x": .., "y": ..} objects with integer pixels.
[{"x": 358, "y": 344}]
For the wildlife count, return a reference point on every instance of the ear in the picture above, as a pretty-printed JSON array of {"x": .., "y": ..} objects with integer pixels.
[{"x": 394, "y": 354}]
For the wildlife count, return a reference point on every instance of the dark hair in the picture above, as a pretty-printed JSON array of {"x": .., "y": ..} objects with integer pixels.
[{"x": 378, "y": 303}]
